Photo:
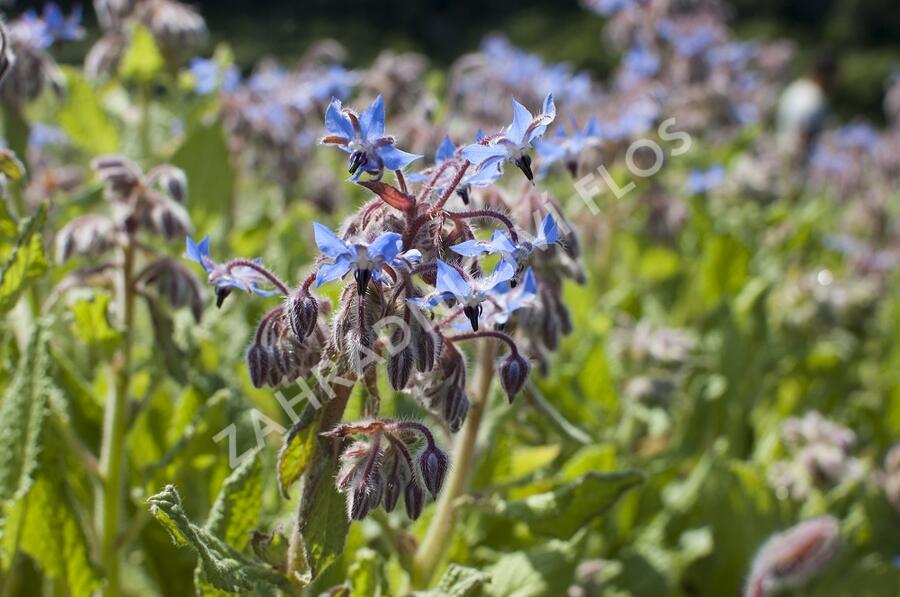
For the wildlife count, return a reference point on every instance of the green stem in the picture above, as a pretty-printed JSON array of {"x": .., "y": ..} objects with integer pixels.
[
  {"x": 431, "y": 551},
  {"x": 144, "y": 130},
  {"x": 112, "y": 451}
]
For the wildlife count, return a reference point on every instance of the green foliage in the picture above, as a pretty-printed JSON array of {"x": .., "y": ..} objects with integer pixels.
[
  {"x": 142, "y": 61},
  {"x": 23, "y": 261},
  {"x": 205, "y": 158},
  {"x": 83, "y": 118}
]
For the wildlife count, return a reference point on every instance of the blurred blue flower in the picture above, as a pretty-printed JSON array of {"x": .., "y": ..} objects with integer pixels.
[
  {"x": 365, "y": 260},
  {"x": 513, "y": 254},
  {"x": 515, "y": 141},
  {"x": 336, "y": 81},
  {"x": 42, "y": 135},
  {"x": 59, "y": 26},
  {"x": 364, "y": 139},
  {"x": 209, "y": 76},
  {"x": 703, "y": 181},
  {"x": 566, "y": 148},
  {"x": 475, "y": 178}
]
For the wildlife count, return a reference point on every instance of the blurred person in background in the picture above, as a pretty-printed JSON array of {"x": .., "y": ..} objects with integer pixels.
[{"x": 803, "y": 109}]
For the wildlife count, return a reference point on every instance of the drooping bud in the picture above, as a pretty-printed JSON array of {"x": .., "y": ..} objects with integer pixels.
[
  {"x": 433, "y": 463},
  {"x": 790, "y": 558},
  {"x": 399, "y": 368},
  {"x": 513, "y": 373},
  {"x": 88, "y": 235},
  {"x": 423, "y": 346},
  {"x": 303, "y": 311},
  {"x": 456, "y": 407},
  {"x": 175, "y": 182},
  {"x": 258, "y": 363},
  {"x": 414, "y": 498},
  {"x": 358, "y": 498},
  {"x": 166, "y": 217},
  {"x": 396, "y": 478}
]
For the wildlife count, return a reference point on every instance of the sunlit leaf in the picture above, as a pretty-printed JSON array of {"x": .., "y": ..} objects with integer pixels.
[
  {"x": 83, "y": 118},
  {"x": 142, "y": 61},
  {"x": 24, "y": 263}
]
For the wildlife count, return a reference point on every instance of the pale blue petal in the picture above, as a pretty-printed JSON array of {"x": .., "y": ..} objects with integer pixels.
[
  {"x": 395, "y": 159},
  {"x": 488, "y": 174},
  {"x": 336, "y": 123},
  {"x": 501, "y": 243},
  {"x": 471, "y": 248},
  {"x": 372, "y": 121},
  {"x": 199, "y": 252},
  {"x": 450, "y": 281},
  {"x": 521, "y": 121},
  {"x": 549, "y": 108},
  {"x": 503, "y": 272},
  {"x": 332, "y": 271},
  {"x": 549, "y": 232},
  {"x": 445, "y": 151},
  {"x": 478, "y": 154},
  {"x": 329, "y": 243},
  {"x": 386, "y": 246}
]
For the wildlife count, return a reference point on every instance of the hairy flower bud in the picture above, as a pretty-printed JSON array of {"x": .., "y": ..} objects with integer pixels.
[
  {"x": 88, "y": 235},
  {"x": 259, "y": 365},
  {"x": 414, "y": 498},
  {"x": 456, "y": 407},
  {"x": 303, "y": 312},
  {"x": 433, "y": 463},
  {"x": 513, "y": 373},
  {"x": 399, "y": 368},
  {"x": 358, "y": 503},
  {"x": 424, "y": 346},
  {"x": 790, "y": 558}
]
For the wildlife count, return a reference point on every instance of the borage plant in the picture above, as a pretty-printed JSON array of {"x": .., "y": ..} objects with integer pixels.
[{"x": 421, "y": 281}]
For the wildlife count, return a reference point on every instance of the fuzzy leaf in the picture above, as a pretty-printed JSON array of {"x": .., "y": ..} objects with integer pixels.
[
  {"x": 561, "y": 512},
  {"x": 326, "y": 524},
  {"x": 365, "y": 574},
  {"x": 544, "y": 570},
  {"x": 206, "y": 161},
  {"x": 10, "y": 166},
  {"x": 142, "y": 61},
  {"x": 236, "y": 509},
  {"x": 296, "y": 451},
  {"x": 24, "y": 263},
  {"x": 457, "y": 581},
  {"x": 23, "y": 413},
  {"x": 220, "y": 564},
  {"x": 91, "y": 321}
]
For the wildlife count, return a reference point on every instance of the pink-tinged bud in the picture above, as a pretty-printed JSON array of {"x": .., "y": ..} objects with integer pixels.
[
  {"x": 303, "y": 311},
  {"x": 433, "y": 463},
  {"x": 258, "y": 364},
  {"x": 790, "y": 558},
  {"x": 513, "y": 373},
  {"x": 399, "y": 368},
  {"x": 358, "y": 499},
  {"x": 414, "y": 498}
]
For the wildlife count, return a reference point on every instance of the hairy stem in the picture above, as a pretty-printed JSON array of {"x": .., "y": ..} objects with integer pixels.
[
  {"x": 112, "y": 450},
  {"x": 431, "y": 551}
]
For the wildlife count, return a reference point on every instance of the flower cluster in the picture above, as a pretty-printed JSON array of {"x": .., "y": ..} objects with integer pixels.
[
  {"x": 821, "y": 456},
  {"x": 418, "y": 269}
]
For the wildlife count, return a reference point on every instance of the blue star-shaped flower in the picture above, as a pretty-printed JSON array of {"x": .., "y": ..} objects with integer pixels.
[
  {"x": 364, "y": 139},
  {"x": 513, "y": 254},
  {"x": 59, "y": 26},
  {"x": 505, "y": 299},
  {"x": 223, "y": 277},
  {"x": 477, "y": 179},
  {"x": 567, "y": 148},
  {"x": 470, "y": 294},
  {"x": 365, "y": 260},
  {"x": 512, "y": 145},
  {"x": 209, "y": 76}
]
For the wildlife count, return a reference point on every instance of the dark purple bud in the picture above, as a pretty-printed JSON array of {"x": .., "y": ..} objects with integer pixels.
[
  {"x": 473, "y": 312},
  {"x": 258, "y": 364},
  {"x": 399, "y": 368},
  {"x": 524, "y": 164},
  {"x": 433, "y": 463},
  {"x": 358, "y": 499},
  {"x": 414, "y": 498},
  {"x": 456, "y": 407},
  {"x": 392, "y": 489},
  {"x": 221, "y": 294},
  {"x": 357, "y": 159},
  {"x": 513, "y": 373},
  {"x": 88, "y": 235},
  {"x": 303, "y": 311},
  {"x": 423, "y": 348},
  {"x": 572, "y": 167},
  {"x": 175, "y": 182},
  {"x": 362, "y": 277},
  {"x": 463, "y": 192}
]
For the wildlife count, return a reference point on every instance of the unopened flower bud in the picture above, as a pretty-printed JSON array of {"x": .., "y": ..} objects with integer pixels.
[
  {"x": 456, "y": 407},
  {"x": 790, "y": 558},
  {"x": 399, "y": 368},
  {"x": 358, "y": 497},
  {"x": 414, "y": 498},
  {"x": 258, "y": 363},
  {"x": 513, "y": 373},
  {"x": 433, "y": 463},
  {"x": 303, "y": 311}
]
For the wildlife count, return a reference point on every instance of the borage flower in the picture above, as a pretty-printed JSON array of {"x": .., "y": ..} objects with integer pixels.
[
  {"x": 515, "y": 254},
  {"x": 364, "y": 139},
  {"x": 238, "y": 273},
  {"x": 451, "y": 284},
  {"x": 703, "y": 181},
  {"x": 478, "y": 179},
  {"x": 567, "y": 148},
  {"x": 514, "y": 142},
  {"x": 365, "y": 260}
]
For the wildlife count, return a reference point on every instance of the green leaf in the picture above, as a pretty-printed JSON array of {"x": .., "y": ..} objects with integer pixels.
[
  {"x": 296, "y": 451},
  {"x": 457, "y": 581},
  {"x": 561, "y": 512},
  {"x": 91, "y": 321},
  {"x": 25, "y": 262},
  {"x": 83, "y": 119},
  {"x": 10, "y": 166},
  {"x": 236, "y": 509},
  {"x": 171, "y": 355},
  {"x": 206, "y": 161},
  {"x": 143, "y": 61},
  {"x": 220, "y": 564},
  {"x": 366, "y": 574},
  {"x": 544, "y": 570},
  {"x": 23, "y": 413},
  {"x": 325, "y": 524}
]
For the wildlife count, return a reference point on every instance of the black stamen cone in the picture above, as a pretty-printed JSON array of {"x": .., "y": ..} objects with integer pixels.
[
  {"x": 572, "y": 167},
  {"x": 357, "y": 159},
  {"x": 472, "y": 312},
  {"x": 221, "y": 295},
  {"x": 463, "y": 193},
  {"x": 524, "y": 164},
  {"x": 362, "y": 277}
]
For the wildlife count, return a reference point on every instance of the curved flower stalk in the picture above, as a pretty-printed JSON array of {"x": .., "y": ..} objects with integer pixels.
[{"x": 416, "y": 265}]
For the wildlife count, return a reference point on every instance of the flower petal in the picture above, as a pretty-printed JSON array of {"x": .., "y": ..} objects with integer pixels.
[
  {"x": 471, "y": 248},
  {"x": 332, "y": 271},
  {"x": 372, "y": 121},
  {"x": 395, "y": 159},
  {"x": 445, "y": 151},
  {"x": 450, "y": 281},
  {"x": 329, "y": 243},
  {"x": 549, "y": 232},
  {"x": 386, "y": 246},
  {"x": 336, "y": 123},
  {"x": 521, "y": 121},
  {"x": 478, "y": 154}
]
